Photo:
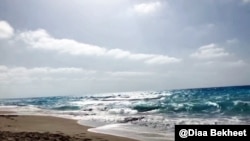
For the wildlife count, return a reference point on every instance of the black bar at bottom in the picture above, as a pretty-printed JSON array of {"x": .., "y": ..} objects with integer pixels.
[{"x": 199, "y": 132}]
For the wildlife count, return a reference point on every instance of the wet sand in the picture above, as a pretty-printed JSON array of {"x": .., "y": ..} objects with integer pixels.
[{"x": 45, "y": 128}]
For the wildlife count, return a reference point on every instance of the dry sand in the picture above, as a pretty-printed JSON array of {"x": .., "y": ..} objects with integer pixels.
[{"x": 45, "y": 128}]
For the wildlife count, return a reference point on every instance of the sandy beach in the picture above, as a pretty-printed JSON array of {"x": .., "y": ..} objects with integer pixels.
[{"x": 45, "y": 128}]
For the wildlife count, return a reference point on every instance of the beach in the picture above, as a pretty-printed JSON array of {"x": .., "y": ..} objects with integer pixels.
[
  {"x": 22, "y": 127},
  {"x": 144, "y": 116}
]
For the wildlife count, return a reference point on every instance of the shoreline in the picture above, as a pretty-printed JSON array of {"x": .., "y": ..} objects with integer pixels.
[{"x": 36, "y": 127}]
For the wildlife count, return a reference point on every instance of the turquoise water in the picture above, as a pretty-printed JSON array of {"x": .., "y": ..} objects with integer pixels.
[
  {"x": 159, "y": 110},
  {"x": 211, "y": 101}
]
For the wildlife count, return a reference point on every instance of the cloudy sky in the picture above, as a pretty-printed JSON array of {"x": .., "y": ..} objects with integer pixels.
[{"x": 80, "y": 47}]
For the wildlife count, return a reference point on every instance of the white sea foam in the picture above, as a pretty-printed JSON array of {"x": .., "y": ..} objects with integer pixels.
[
  {"x": 135, "y": 132},
  {"x": 236, "y": 102},
  {"x": 212, "y": 104},
  {"x": 122, "y": 111},
  {"x": 130, "y": 96},
  {"x": 21, "y": 109}
]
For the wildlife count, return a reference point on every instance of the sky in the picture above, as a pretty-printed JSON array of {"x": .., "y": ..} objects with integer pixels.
[{"x": 79, "y": 47}]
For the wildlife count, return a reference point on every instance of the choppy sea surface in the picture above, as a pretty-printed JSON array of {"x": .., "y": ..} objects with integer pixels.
[{"x": 148, "y": 115}]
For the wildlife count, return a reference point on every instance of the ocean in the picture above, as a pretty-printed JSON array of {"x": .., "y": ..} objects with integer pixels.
[{"x": 147, "y": 115}]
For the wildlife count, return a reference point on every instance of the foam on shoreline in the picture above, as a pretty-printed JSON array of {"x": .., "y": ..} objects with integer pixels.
[{"x": 131, "y": 131}]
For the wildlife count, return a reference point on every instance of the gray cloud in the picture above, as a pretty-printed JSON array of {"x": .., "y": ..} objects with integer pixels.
[
  {"x": 246, "y": 1},
  {"x": 82, "y": 47}
]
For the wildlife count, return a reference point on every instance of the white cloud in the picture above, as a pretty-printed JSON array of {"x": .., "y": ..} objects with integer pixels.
[
  {"x": 67, "y": 74},
  {"x": 47, "y": 70},
  {"x": 160, "y": 59},
  {"x": 145, "y": 8},
  {"x": 40, "y": 39},
  {"x": 118, "y": 53},
  {"x": 209, "y": 52},
  {"x": 23, "y": 74},
  {"x": 6, "y": 31}
]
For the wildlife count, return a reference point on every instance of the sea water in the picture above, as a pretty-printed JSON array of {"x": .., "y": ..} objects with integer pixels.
[{"x": 148, "y": 115}]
